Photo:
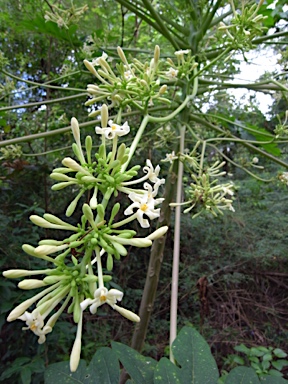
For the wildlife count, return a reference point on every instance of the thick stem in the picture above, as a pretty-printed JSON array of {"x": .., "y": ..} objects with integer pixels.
[{"x": 155, "y": 262}]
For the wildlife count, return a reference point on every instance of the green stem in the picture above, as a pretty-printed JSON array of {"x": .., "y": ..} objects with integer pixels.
[
  {"x": 45, "y": 85},
  {"x": 28, "y": 105},
  {"x": 176, "y": 250}
]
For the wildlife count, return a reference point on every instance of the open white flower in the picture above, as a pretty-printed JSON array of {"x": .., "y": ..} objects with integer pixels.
[
  {"x": 152, "y": 173},
  {"x": 97, "y": 61},
  {"x": 146, "y": 205},
  {"x": 182, "y": 52},
  {"x": 172, "y": 73},
  {"x": 35, "y": 323},
  {"x": 170, "y": 157},
  {"x": 103, "y": 296},
  {"x": 113, "y": 130}
]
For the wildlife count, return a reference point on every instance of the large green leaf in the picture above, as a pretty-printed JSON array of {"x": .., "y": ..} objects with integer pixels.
[
  {"x": 273, "y": 380},
  {"x": 194, "y": 356},
  {"x": 242, "y": 375},
  {"x": 140, "y": 368},
  {"x": 167, "y": 373},
  {"x": 103, "y": 369}
]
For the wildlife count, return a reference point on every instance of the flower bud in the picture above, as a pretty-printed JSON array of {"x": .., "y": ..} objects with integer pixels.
[
  {"x": 128, "y": 314},
  {"x": 120, "y": 249},
  {"x": 156, "y": 54},
  {"x": 75, "y": 355},
  {"x": 158, "y": 233},
  {"x": 90, "y": 67},
  {"x": 31, "y": 284},
  {"x": 104, "y": 116},
  {"x": 47, "y": 249},
  {"x": 15, "y": 273},
  {"x": 163, "y": 89},
  {"x": 109, "y": 263},
  {"x": 122, "y": 55},
  {"x": 88, "y": 214}
]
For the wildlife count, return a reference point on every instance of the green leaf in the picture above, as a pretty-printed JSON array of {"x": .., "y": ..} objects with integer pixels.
[
  {"x": 256, "y": 352},
  {"x": 267, "y": 357},
  {"x": 103, "y": 368},
  {"x": 273, "y": 380},
  {"x": 274, "y": 372},
  {"x": 26, "y": 374},
  {"x": 193, "y": 354},
  {"x": 238, "y": 360},
  {"x": 242, "y": 375},
  {"x": 279, "y": 352},
  {"x": 280, "y": 364},
  {"x": 140, "y": 368},
  {"x": 167, "y": 373},
  {"x": 242, "y": 348}
]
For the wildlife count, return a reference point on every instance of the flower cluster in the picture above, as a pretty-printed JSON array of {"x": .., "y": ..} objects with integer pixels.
[
  {"x": 184, "y": 66},
  {"x": 282, "y": 128},
  {"x": 206, "y": 195},
  {"x": 129, "y": 84},
  {"x": 65, "y": 17},
  {"x": 76, "y": 280},
  {"x": 244, "y": 26}
]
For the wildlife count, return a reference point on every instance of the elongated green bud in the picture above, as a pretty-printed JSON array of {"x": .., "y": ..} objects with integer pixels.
[
  {"x": 88, "y": 146},
  {"x": 50, "y": 242},
  {"x": 126, "y": 313},
  {"x": 109, "y": 263},
  {"x": 77, "y": 308},
  {"x": 121, "y": 151},
  {"x": 89, "y": 214},
  {"x": 71, "y": 207},
  {"x": 114, "y": 212},
  {"x": 100, "y": 211},
  {"x": 62, "y": 170},
  {"x": 90, "y": 279},
  {"x": 107, "y": 278}
]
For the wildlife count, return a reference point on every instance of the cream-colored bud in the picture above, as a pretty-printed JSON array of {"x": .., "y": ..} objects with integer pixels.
[
  {"x": 41, "y": 222},
  {"x": 47, "y": 249},
  {"x": 128, "y": 314},
  {"x": 75, "y": 355},
  {"x": 31, "y": 284},
  {"x": 137, "y": 242},
  {"x": 19, "y": 310},
  {"x": 90, "y": 67},
  {"x": 104, "y": 116},
  {"x": 59, "y": 177},
  {"x": 158, "y": 233},
  {"x": 156, "y": 54},
  {"x": 75, "y": 129},
  {"x": 15, "y": 273},
  {"x": 122, "y": 55},
  {"x": 70, "y": 163},
  {"x": 163, "y": 89}
]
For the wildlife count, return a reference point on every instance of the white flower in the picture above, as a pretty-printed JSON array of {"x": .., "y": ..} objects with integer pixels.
[
  {"x": 103, "y": 296},
  {"x": 151, "y": 173},
  {"x": 128, "y": 75},
  {"x": 182, "y": 52},
  {"x": 97, "y": 61},
  {"x": 145, "y": 204},
  {"x": 255, "y": 160},
  {"x": 35, "y": 323},
  {"x": 113, "y": 130},
  {"x": 170, "y": 157},
  {"x": 172, "y": 73}
]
